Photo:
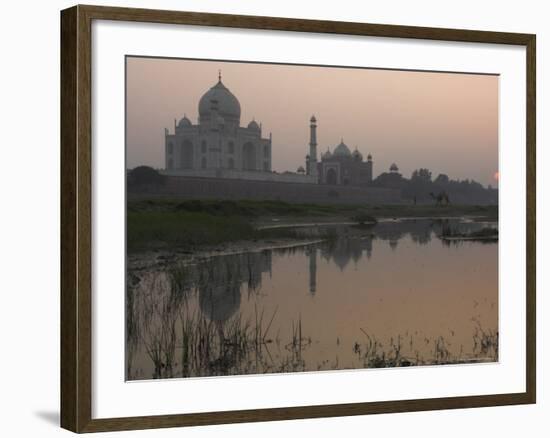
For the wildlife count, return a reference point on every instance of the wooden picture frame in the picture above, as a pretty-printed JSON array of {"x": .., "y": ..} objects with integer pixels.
[{"x": 76, "y": 217}]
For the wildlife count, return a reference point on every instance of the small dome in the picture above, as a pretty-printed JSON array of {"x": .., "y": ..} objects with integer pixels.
[
  {"x": 227, "y": 104},
  {"x": 301, "y": 169},
  {"x": 184, "y": 122},
  {"x": 357, "y": 155},
  {"x": 313, "y": 119},
  {"x": 394, "y": 168},
  {"x": 327, "y": 155},
  {"x": 253, "y": 125},
  {"x": 369, "y": 157},
  {"x": 342, "y": 150}
]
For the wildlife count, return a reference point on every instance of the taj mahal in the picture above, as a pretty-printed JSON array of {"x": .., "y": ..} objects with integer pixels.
[{"x": 219, "y": 147}]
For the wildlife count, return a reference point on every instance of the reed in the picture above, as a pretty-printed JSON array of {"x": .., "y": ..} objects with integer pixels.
[
  {"x": 372, "y": 354},
  {"x": 186, "y": 322}
]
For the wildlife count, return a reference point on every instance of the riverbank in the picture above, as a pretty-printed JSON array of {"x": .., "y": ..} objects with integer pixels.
[
  {"x": 169, "y": 224},
  {"x": 486, "y": 234},
  {"x": 147, "y": 260}
]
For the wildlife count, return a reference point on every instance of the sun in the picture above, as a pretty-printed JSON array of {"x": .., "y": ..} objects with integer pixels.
[{"x": 496, "y": 176}]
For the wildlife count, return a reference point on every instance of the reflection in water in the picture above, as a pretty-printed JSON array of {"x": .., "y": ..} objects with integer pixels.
[
  {"x": 221, "y": 278},
  {"x": 388, "y": 295},
  {"x": 312, "y": 252}
]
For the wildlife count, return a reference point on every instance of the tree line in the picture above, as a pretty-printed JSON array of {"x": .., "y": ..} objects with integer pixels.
[{"x": 423, "y": 188}]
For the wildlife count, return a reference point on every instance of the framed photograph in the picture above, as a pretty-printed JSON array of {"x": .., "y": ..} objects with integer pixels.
[{"x": 269, "y": 218}]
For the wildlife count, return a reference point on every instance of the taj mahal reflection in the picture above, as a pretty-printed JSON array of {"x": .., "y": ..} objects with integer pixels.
[{"x": 222, "y": 280}]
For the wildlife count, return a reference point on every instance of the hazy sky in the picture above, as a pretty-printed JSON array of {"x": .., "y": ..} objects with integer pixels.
[{"x": 446, "y": 122}]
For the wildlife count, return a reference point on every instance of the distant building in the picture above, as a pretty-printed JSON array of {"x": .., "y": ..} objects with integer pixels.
[
  {"x": 218, "y": 141},
  {"x": 392, "y": 179},
  {"x": 311, "y": 158},
  {"x": 218, "y": 147},
  {"x": 343, "y": 167}
]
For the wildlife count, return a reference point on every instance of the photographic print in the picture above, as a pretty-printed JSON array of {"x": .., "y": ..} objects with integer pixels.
[{"x": 301, "y": 218}]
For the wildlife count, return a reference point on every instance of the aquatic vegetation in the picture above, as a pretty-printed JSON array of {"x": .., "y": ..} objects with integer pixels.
[
  {"x": 485, "y": 234},
  {"x": 363, "y": 219},
  {"x": 182, "y": 340},
  {"x": 373, "y": 354}
]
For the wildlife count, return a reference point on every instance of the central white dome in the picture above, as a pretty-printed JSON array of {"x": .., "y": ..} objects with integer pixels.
[
  {"x": 342, "y": 150},
  {"x": 219, "y": 95}
]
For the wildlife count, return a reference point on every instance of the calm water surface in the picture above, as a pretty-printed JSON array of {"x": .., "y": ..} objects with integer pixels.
[{"x": 394, "y": 294}]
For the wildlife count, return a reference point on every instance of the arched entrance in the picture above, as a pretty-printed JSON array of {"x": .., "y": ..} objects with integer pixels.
[
  {"x": 331, "y": 176},
  {"x": 249, "y": 156},
  {"x": 187, "y": 155}
]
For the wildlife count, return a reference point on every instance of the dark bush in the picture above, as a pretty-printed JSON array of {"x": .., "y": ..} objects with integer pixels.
[
  {"x": 363, "y": 218},
  {"x": 144, "y": 175}
]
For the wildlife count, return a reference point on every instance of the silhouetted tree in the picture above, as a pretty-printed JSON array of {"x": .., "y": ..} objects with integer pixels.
[
  {"x": 144, "y": 176},
  {"x": 392, "y": 180},
  {"x": 422, "y": 174},
  {"x": 441, "y": 179}
]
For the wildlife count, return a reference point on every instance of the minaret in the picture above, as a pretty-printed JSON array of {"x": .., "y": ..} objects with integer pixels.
[
  {"x": 369, "y": 168},
  {"x": 312, "y": 165}
]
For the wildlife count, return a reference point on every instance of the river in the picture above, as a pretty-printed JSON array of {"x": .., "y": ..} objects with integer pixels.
[{"x": 392, "y": 294}]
